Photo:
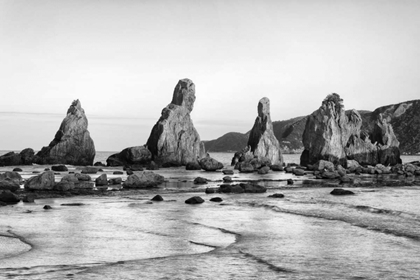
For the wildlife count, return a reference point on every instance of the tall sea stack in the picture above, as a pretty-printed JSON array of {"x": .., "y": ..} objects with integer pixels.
[
  {"x": 173, "y": 139},
  {"x": 262, "y": 142},
  {"x": 72, "y": 143},
  {"x": 335, "y": 135}
]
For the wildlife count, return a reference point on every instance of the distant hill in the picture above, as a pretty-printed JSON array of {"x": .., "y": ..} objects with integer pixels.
[{"x": 404, "y": 117}]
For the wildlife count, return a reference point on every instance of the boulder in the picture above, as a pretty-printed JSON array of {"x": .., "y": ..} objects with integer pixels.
[
  {"x": 44, "y": 181},
  {"x": 117, "y": 173},
  {"x": 242, "y": 188},
  {"x": 47, "y": 207},
  {"x": 335, "y": 135},
  {"x": 82, "y": 177},
  {"x": 211, "y": 190},
  {"x": 245, "y": 167},
  {"x": 67, "y": 183},
  {"x": 216, "y": 199},
  {"x": 98, "y": 163},
  {"x": 227, "y": 179},
  {"x": 174, "y": 138},
  {"x": 264, "y": 170},
  {"x": 341, "y": 192},
  {"x": 145, "y": 179},
  {"x": 17, "y": 169},
  {"x": 9, "y": 184},
  {"x": 346, "y": 180},
  {"x": 194, "y": 200},
  {"x": 200, "y": 181},
  {"x": 59, "y": 168},
  {"x": 193, "y": 165},
  {"x": 137, "y": 155},
  {"x": 341, "y": 170},
  {"x": 10, "y": 158},
  {"x": 8, "y": 197},
  {"x": 115, "y": 181},
  {"x": 210, "y": 164},
  {"x": 72, "y": 143},
  {"x": 27, "y": 156},
  {"x": 29, "y": 198},
  {"x": 322, "y": 165},
  {"x": 290, "y": 182},
  {"x": 83, "y": 185},
  {"x": 102, "y": 180},
  {"x": 253, "y": 188},
  {"x": 276, "y": 167},
  {"x": 157, "y": 198},
  {"x": 224, "y": 188},
  {"x": 330, "y": 175},
  {"x": 152, "y": 166},
  {"x": 228, "y": 172},
  {"x": 299, "y": 172}
]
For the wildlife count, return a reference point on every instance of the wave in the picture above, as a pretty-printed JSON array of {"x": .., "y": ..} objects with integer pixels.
[{"x": 398, "y": 225}]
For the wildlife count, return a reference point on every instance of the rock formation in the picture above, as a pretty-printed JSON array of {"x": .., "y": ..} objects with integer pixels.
[
  {"x": 174, "y": 139},
  {"x": 263, "y": 147},
  {"x": 335, "y": 135},
  {"x": 138, "y": 155},
  {"x": 72, "y": 143}
]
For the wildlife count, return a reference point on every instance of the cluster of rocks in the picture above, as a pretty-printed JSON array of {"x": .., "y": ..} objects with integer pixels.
[
  {"x": 237, "y": 188},
  {"x": 263, "y": 149},
  {"x": 335, "y": 135},
  {"x": 72, "y": 144}
]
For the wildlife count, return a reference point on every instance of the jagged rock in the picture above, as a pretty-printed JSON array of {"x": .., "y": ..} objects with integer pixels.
[
  {"x": 193, "y": 165},
  {"x": 11, "y": 175},
  {"x": 72, "y": 143},
  {"x": 216, "y": 199},
  {"x": 8, "y": 197},
  {"x": 210, "y": 164},
  {"x": 174, "y": 138},
  {"x": 334, "y": 135},
  {"x": 59, "y": 168},
  {"x": 145, "y": 179},
  {"x": 44, "y": 181},
  {"x": 341, "y": 192},
  {"x": 102, "y": 180},
  {"x": 157, "y": 198},
  {"x": 137, "y": 155},
  {"x": 200, "y": 181},
  {"x": 194, "y": 200}
]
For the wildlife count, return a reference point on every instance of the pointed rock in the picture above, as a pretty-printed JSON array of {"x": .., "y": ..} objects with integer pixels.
[
  {"x": 173, "y": 138},
  {"x": 72, "y": 143}
]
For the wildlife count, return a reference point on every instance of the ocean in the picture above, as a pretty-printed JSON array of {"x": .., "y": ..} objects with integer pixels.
[{"x": 308, "y": 234}]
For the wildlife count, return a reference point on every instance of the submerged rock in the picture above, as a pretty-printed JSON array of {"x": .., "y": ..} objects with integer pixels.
[
  {"x": 194, "y": 200},
  {"x": 216, "y": 199},
  {"x": 157, "y": 198},
  {"x": 72, "y": 143},
  {"x": 174, "y": 138},
  {"x": 277, "y": 195},
  {"x": 341, "y": 192},
  {"x": 200, "y": 181}
]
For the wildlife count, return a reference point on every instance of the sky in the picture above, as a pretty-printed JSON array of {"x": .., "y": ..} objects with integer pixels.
[{"x": 122, "y": 60}]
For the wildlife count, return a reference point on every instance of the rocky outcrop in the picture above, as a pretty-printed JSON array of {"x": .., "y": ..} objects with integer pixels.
[
  {"x": 44, "y": 181},
  {"x": 210, "y": 164},
  {"x": 334, "y": 135},
  {"x": 25, "y": 157},
  {"x": 138, "y": 155},
  {"x": 174, "y": 139},
  {"x": 263, "y": 148},
  {"x": 145, "y": 179},
  {"x": 72, "y": 143}
]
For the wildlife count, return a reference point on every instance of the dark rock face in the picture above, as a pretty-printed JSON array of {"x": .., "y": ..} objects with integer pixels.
[
  {"x": 174, "y": 138},
  {"x": 210, "y": 164},
  {"x": 193, "y": 165},
  {"x": 17, "y": 169},
  {"x": 44, "y": 181},
  {"x": 194, "y": 200},
  {"x": 8, "y": 197},
  {"x": 137, "y": 155},
  {"x": 72, "y": 143},
  {"x": 146, "y": 179},
  {"x": 341, "y": 192},
  {"x": 102, "y": 180},
  {"x": 11, "y": 175},
  {"x": 10, "y": 158},
  {"x": 216, "y": 199},
  {"x": 277, "y": 195},
  {"x": 333, "y": 135},
  {"x": 115, "y": 181},
  {"x": 59, "y": 168},
  {"x": 200, "y": 181},
  {"x": 242, "y": 188},
  {"x": 8, "y": 184}
]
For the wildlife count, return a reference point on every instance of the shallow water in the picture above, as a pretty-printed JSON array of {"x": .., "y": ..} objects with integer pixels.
[{"x": 307, "y": 235}]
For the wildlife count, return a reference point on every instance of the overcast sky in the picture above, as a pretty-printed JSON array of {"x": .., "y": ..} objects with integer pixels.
[{"x": 122, "y": 60}]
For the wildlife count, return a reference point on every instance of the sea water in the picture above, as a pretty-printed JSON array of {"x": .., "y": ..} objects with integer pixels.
[{"x": 309, "y": 234}]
